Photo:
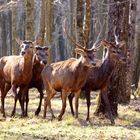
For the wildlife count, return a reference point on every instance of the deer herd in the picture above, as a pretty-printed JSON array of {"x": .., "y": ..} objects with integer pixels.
[{"x": 31, "y": 69}]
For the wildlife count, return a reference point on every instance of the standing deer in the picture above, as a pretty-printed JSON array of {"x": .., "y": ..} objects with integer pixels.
[
  {"x": 99, "y": 77},
  {"x": 67, "y": 76},
  {"x": 39, "y": 61},
  {"x": 16, "y": 71}
]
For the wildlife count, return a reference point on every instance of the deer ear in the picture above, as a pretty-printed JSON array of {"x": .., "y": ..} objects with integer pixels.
[
  {"x": 46, "y": 48},
  {"x": 105, "y": 44},
  {"x": 19, "y": 41},
  {"x": 38, "y": 47}
]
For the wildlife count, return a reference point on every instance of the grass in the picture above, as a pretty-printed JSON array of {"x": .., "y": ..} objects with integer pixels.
[{"x": 127, "y": 125}]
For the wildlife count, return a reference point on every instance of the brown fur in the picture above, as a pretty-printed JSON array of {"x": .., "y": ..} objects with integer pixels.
[
  {"x": 98, "y": 78},
  {"x": 40, "y": 60},
  {"x": 66, "y": 76},
  {"x": 16, "y": 71}
]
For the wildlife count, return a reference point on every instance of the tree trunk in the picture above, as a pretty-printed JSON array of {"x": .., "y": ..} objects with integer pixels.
[
  {"x": 42, "y": 22},
  {"x": 80, "y": 16},
  {"x": 87, "y": 23},
  {"x": 119, "y": 86},
  {"x": 29, "y": 32},
  {"x": 49, "y": 24},
  {"x": 14, "y": 36},
  {"x": 136, "y": 70}
]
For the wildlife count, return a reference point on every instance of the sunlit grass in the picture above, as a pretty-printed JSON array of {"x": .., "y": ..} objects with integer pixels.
[{"x": 127, "y": 125}]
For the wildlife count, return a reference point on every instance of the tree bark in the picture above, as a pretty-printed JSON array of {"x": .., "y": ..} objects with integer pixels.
[
  {"x": 80, "y": 16},
  {"x": 49, "y": 24},
  {"x": 119, "y": 86},
  {"x": 14, "y": 35},
  {"x": 136, "y": 66},
  {"x": 29, "y": 32},
  {"x": 42, "y": 22},
  {"x": 87, "y": 23}
]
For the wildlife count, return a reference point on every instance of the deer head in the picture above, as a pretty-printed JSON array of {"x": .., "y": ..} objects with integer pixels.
[
  {"x": 114, "y": 52},
  {"x": 26, "y": 46},
  {"x": 88, "y": 55},
  {"x": 41, "y": 54}
]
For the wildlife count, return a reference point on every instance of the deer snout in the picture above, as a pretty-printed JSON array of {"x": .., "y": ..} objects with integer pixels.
[
  {"x": 93, "y": 63},
  {"x": 44, "y": 62},
  {"x": 22, "y": 53},
  {"x": 123, "y": 60}
]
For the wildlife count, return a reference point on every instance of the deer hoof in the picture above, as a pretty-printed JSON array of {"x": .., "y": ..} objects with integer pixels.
[
  {"x": 37, "y": 112},
  {"x": 12, "y": 114},
  {"x": 112, "y": 122},
  {"x": 59, "y": 118},
  {"x": 53, "y": 117}
]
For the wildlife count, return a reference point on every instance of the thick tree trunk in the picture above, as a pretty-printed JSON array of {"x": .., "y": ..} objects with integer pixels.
[{"x": 119, "y": 86}]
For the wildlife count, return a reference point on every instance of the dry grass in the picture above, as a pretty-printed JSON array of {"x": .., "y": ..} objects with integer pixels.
[{"x": 127, "y": 125}]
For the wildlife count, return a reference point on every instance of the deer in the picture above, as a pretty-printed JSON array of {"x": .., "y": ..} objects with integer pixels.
[
  {"x": 16, "y": 71},
  {"x": 40, "y": 59},
  {"x": 68, "y": 76},
  {"x": 98, "y": 78}
]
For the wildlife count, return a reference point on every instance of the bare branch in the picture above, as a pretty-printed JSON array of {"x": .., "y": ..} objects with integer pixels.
[
  {"x": 65, "y": 31},
  {"x": 99, "y": 34},
  {"x": 116, "y": 37},
  {"x": 8, "y": 6}
]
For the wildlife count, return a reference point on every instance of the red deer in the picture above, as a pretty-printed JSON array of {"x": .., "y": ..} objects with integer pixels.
[
  {"x": 67, "y": 76},
  {"x": 16, "y": 71},
  {"x": 98, "y": 79},
  {"x": 39, "y": 61}
]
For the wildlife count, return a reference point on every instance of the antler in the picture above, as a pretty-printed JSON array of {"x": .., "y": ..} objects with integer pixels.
[
  {"x": 116, "y": 37},
  {"x": 97, "y": 39},
  {"x": 65, "y": 31}
]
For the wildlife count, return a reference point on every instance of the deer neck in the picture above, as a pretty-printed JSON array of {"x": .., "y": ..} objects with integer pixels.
[
  {"x": 82, "y": 61},
  {"x": 27, "y": 64},
  {"x": 107, "y": 66},
  {"x": 82, "y": 68}
]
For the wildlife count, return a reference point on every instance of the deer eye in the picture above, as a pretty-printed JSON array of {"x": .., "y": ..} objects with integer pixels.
[{"x": 114, "y": 51}]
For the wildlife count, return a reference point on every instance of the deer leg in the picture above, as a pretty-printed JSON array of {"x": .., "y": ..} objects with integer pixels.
[
  {"x": 22, "y": 105},
  {"x": 108, "y": 108},
  {"x": 14, "y": 90},
  {"x": 6, "y": 88},
  {"x": 27, "y": 101},
  {"x": 24, "y": 97},
  {"x": 77, "y": 103},
  {"x": 88, "y": 103},
  {"x": 40, "y": 102},
  {"x": 64, "y": 97},
  {"x": 70, "y": 97},
  {"x": 20, "y": 102},
  {"x": 47, "y": 102}
]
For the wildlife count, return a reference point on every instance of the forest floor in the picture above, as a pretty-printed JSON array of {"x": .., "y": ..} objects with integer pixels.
[{"x": 127, "y": 125}]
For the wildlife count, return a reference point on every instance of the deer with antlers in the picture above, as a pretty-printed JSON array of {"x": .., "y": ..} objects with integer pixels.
[
  {"x": 98, "y": 78},
  {"x": 68, "y": 77}
]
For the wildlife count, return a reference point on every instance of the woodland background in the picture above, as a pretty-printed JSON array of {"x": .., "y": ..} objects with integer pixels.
[{"x": 87, "y": 21}]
